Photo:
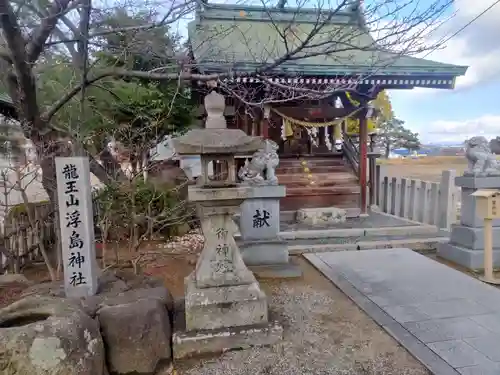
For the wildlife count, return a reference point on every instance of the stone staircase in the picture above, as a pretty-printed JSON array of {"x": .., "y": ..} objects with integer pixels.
[{"x": 329, "y": 182}]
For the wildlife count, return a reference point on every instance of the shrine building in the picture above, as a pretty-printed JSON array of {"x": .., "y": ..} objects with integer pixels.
[{"x": 321, "y": 165}]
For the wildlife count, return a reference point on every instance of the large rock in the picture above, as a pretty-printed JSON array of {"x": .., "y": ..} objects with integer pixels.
[
  {"x": 134, "y": 314},
  {"x": 50, "y": 289},
  {"x": 49, "y": 336},
  {"x": 111, "y": 282},
  {"x": 93, "y": 304},
  {"x": 321, "y": 216},
  {"x": 14, "y": 278},
  {"x": 137, "y": 336},
  {"x": 116, "y": 287}
]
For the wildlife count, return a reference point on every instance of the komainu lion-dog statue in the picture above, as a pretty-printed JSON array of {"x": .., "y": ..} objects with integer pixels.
[
  {"x": 261, "y": 170},
  {"x": 482, "y": 162}
]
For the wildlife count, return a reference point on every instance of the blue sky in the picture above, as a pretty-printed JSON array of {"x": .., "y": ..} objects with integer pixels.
[{"x": 472, "y": 108}]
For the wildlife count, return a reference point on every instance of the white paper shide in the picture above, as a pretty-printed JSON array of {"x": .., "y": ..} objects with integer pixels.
[{"x": 77, "y": 227}]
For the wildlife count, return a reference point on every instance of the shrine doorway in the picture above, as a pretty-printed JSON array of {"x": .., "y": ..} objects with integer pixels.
[{"x": 301, "y": 143}]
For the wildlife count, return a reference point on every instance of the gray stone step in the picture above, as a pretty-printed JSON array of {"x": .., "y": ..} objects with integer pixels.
[{"x": 419, "y": 242}]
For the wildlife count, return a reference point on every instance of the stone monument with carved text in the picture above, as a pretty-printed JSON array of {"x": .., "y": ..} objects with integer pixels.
[
  {"x": 76, "y": 226},
  {"x": 224, "y": 305},
  {"x": 261, "y": 247}
]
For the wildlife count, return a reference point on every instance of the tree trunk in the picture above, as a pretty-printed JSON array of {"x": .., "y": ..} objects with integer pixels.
[{"x": 48, "y": 152}]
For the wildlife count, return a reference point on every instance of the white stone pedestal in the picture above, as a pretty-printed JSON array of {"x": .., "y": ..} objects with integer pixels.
[
  {"x": 223, "y": 299},
  {"x": 261, "y": 247},
  {"x": 466, "y": 246},
  {"x": 230, "y": 306}
]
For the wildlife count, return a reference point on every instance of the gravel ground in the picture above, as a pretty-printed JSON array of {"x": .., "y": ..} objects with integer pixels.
[
  {"x": 325, "y": 333},
  {"x": 10, "y": 293}
]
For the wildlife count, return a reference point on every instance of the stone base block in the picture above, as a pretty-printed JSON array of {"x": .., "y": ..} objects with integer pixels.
[
  {"x": 264, "y": 252},
  {"x": 472, "y": 238},
  {"x": 229, "y": 306},
  {"x": 477, "y": 182},
  {"x": 321, "y": 216},
  {"x": 277, "y": 271},
  {"x": 190, "y": 344},
  {"x": 468, "y": 258},
  {"x": 468, "y": 208}
]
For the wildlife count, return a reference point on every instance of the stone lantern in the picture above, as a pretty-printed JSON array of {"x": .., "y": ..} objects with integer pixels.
[
  {"x": 217, "y": 146},
  {"x": 224, "y": 305}
]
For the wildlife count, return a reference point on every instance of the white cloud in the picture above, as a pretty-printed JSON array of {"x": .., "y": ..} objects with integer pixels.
[
  {"x": 458, "y": 131},
  {"x": 476, "y": 46}
]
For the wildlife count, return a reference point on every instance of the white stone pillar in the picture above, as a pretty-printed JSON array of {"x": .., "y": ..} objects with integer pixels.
[{"x": 76, "y": 226}]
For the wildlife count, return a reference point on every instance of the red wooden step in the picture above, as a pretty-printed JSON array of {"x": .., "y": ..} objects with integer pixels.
[
  {"x": 335, "y": 183},
  {"x": 320, "y": 179},
  {"x": 319, "y": 190},
  {"x": 312, "y": 169},
  {"x": 319, "y": 162}
]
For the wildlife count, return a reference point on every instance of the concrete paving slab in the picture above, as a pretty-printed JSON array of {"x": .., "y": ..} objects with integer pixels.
[
  {"x": 436, "y": 330},
  {"x": 492, "y": 321},
  {"x": 490, "y": 368},
  {"x": 487, "y": 344},
  {"x": 458, "y": 354},
  {"x": 446, "y": 319}
]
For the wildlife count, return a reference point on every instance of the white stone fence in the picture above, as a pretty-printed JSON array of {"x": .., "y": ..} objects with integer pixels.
[{"x": 426, "y": 202}]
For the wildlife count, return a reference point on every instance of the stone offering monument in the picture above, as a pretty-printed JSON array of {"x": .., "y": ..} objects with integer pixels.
[
  {"x": 261, "y": 247},
  {"x": 466, "y": 246},
  {"x": 224, "y": 305}
]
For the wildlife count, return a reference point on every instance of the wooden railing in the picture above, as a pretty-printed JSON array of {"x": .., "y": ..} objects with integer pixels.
[
  {"x": 426, "y": 202},
  {"x": 351, "y": 152},
  {"x": 350, "y": 147}
]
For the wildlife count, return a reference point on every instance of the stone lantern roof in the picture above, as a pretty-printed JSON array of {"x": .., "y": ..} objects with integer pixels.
[{"x": 216, "y": 141}]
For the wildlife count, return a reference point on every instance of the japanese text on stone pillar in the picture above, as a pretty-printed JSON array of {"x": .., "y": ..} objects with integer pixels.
[
  {"x": 73, "y": 221},
  {"x": 76, "y": 226}
]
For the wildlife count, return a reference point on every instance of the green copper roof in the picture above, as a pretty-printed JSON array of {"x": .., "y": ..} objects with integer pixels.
[
  {"x": 5, "y": 98},
  {"x": 7, "y": 107},
  {"x": 242, "y": 38}
]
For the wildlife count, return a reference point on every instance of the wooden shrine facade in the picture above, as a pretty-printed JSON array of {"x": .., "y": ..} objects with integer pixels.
[
  {"x": 263, "y": 98},
  {"x": 298, "y": 144}
]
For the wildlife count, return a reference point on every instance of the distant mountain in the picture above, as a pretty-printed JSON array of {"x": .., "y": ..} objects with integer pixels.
[{"x": 442, "y": 144}]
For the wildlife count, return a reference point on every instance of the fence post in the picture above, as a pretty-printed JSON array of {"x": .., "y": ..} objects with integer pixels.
[
  {"x": 394, "y": 195},
  {"x": 446, "y": 205},
  {"x": 386, "y": 189},
  {"x": 412, "y": 210},
  {"x": 377, "y": 185},
  {"x": 403, "y": 208}
]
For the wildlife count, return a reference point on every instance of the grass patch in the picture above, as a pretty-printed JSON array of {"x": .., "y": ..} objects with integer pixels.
[{"x": 426, "y": 160}]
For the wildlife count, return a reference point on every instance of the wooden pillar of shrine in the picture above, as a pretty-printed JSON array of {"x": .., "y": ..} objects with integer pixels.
[
  {"x": 264, "y": 124},
  {"x": 363, "y": 160}
]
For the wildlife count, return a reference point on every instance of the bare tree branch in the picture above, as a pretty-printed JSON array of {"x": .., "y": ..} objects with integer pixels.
[
  {"x": 35, "y": 47},
  {"x": 26, "y": 91}
]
